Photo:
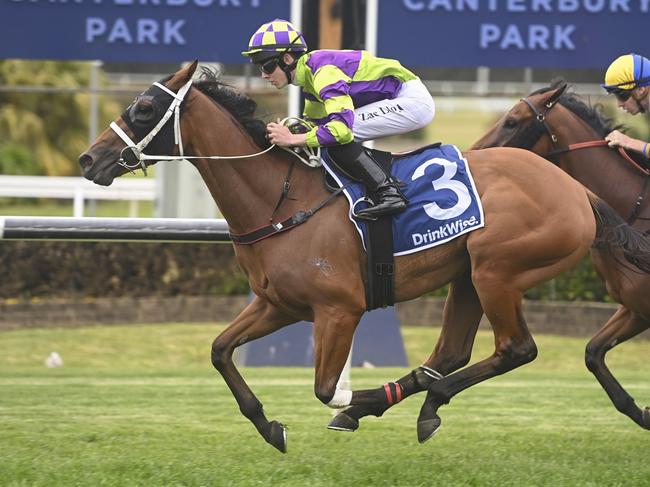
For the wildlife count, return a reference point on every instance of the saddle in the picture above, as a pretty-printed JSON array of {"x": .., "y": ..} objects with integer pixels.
[{"x": 380, "y": 276}]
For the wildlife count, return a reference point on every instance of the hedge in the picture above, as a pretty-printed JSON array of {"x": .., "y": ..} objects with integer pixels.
[{"x": 73, "y": 269}]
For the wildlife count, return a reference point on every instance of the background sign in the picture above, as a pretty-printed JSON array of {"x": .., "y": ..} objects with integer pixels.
[
  {"x": 133, "y": 30},
  {"x": 512, "y": 33}
]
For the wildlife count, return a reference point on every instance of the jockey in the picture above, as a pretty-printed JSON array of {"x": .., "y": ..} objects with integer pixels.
[
  {"x": 350, "y": 97},
  {"x": 628, "y": 79}
]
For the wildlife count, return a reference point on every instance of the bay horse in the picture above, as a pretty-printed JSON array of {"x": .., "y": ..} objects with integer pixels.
[
  {"x": 560, "y": 126},
  {"x": 539, "y": 223}
]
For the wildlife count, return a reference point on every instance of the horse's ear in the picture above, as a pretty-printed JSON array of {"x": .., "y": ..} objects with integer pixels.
[
  {"x": 188, "y": 71},
  {"x": 552, "y": 100},
  {"x": 183, "y": 75}
]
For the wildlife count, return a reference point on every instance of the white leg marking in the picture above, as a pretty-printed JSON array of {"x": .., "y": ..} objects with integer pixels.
[{"x": 341, "y": 399}]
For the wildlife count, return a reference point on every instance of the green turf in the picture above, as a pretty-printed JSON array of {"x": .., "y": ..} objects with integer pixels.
[{"x": 142, "y": 405}]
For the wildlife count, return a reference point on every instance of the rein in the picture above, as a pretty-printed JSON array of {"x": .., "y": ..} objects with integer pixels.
[
  {"x": 136, "y": 150},
  {"x": 541, "y": 118},
  {"x": 598, "y": 143}
]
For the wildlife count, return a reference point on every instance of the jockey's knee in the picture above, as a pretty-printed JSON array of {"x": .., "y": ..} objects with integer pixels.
[{"x": 345, "y": 153}]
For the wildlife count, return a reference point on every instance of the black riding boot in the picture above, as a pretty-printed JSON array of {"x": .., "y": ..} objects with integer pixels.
[{"x": 384, "y": 190}]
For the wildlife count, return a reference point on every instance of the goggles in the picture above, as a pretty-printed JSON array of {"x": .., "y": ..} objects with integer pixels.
[
  {"x": 624, "y": 94},
  {"x": 620, "y": 94},
  {"x": 269, "y": 66}
]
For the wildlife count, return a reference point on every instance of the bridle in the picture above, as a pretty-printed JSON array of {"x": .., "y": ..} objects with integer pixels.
[
  {"x": 133, "y": 157},
  {"x": 309, "y": 156},
  {"x": 541, "y": 116}
]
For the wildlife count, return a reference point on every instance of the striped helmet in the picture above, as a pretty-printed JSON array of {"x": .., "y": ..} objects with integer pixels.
[
  {"x": 627, "y": 72},
  {"x": 274, "y": 38}
]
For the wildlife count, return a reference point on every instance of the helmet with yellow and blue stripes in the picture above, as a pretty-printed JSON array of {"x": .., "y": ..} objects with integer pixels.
[{"x": 626, "y": 73}]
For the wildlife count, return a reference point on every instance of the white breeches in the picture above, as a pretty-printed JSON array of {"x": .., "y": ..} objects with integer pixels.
[{"x": 412, "y": 109}]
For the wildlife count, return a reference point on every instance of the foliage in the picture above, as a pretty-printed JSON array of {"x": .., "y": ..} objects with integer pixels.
[
  {"x": 581, "y": 283},
  {"x": 17, "y": 159},
  {"x": 51, "y": 128},
  {"x": 80, "y": 270},
  {"x": 68, "y": 269}
]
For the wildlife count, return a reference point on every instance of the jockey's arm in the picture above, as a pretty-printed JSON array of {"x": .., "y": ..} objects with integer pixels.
[{"x": 331, "y": 108}]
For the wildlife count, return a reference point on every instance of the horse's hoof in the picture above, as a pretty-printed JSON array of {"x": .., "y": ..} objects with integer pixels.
[
  {"x": 427, "y": 428},
  {"x": 278, "y": 436},
  {"x": 343, "y": 422}
]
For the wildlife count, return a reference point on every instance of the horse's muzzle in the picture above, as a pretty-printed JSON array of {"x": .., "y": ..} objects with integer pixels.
[{"x": 85, "y": 162}]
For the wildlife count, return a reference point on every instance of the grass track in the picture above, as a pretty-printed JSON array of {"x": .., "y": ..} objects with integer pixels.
[{"x": 142, "y": 405}]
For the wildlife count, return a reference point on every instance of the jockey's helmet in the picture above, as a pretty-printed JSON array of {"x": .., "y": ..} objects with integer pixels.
[
  {"x": 626, "y": 73},
  {"x": 274, "y": 39}
]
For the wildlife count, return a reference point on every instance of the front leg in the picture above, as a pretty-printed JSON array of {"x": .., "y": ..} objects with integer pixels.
[
  {"x": 258, "y": 319},
  {"x": 334, "y": 329},
  {"x": 460, "y": 321}
]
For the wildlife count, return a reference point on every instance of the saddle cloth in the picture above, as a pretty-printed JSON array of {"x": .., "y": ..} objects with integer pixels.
[{"x": 443, "y": 202}]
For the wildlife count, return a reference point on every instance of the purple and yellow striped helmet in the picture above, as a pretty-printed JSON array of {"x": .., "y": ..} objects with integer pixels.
[{"x": 274, "y": 38}]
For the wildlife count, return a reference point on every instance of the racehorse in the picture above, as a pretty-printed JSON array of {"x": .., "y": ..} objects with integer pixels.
[
  {"x": 560, "y": 126},
  {"x": 539, "y": 222}
]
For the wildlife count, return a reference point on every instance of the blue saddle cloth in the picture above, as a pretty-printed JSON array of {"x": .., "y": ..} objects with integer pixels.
[{"x": 443, "y": 202}]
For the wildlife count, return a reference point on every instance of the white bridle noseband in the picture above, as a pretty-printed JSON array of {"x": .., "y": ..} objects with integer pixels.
[{"x": 313, "y": 156}]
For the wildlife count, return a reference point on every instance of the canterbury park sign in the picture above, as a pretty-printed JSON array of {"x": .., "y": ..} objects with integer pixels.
[
  {"x": 511, "y": 33},
  {"x": 168, "y": 31}
]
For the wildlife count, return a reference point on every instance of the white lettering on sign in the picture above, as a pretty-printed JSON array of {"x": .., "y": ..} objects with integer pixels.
[
  {"x": 157, "y": 3},
  {"x": 140, "y": 31},
  {"x": 545, "y": 33},
  {"x": 533, "y": 37},
  {"x": 521, "y": 6}
]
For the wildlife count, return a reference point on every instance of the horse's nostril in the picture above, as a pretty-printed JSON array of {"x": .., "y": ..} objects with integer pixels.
[{"x": 85, "y": 161}]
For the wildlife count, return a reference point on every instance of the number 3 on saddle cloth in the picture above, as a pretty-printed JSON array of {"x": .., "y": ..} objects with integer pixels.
[{"x": 443, "y": 204}]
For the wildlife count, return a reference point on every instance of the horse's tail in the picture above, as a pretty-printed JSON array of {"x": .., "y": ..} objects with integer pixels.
[{"x": 614, "y": 234}]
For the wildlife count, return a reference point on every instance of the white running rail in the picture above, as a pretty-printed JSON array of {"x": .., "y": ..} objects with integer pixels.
[{"x": 78, "y": 190}]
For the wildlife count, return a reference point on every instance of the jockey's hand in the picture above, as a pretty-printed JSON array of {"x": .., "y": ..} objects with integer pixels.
[
  {"x": 619, "y": 139},
  {"x": 279, "y": 134}
]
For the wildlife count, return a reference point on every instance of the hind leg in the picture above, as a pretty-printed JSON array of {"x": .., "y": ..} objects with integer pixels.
[
  {"x": 514, "y": 346},
  {"x": 461, "y": 318},
  {"x": 624, "y": 325}
]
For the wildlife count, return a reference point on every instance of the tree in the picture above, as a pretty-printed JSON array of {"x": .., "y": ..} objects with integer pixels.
[{"x": 43, "y": 132}]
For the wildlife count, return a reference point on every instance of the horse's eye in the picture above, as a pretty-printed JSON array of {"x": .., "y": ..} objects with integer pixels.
[
  {"x": 142, "y": 112},
  {"x": 510, "y": 123}
]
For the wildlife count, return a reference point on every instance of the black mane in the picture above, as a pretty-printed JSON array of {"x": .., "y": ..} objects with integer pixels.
[
  {"x": 593, "y": 116},
  {"x": 240, "y": 106}
]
